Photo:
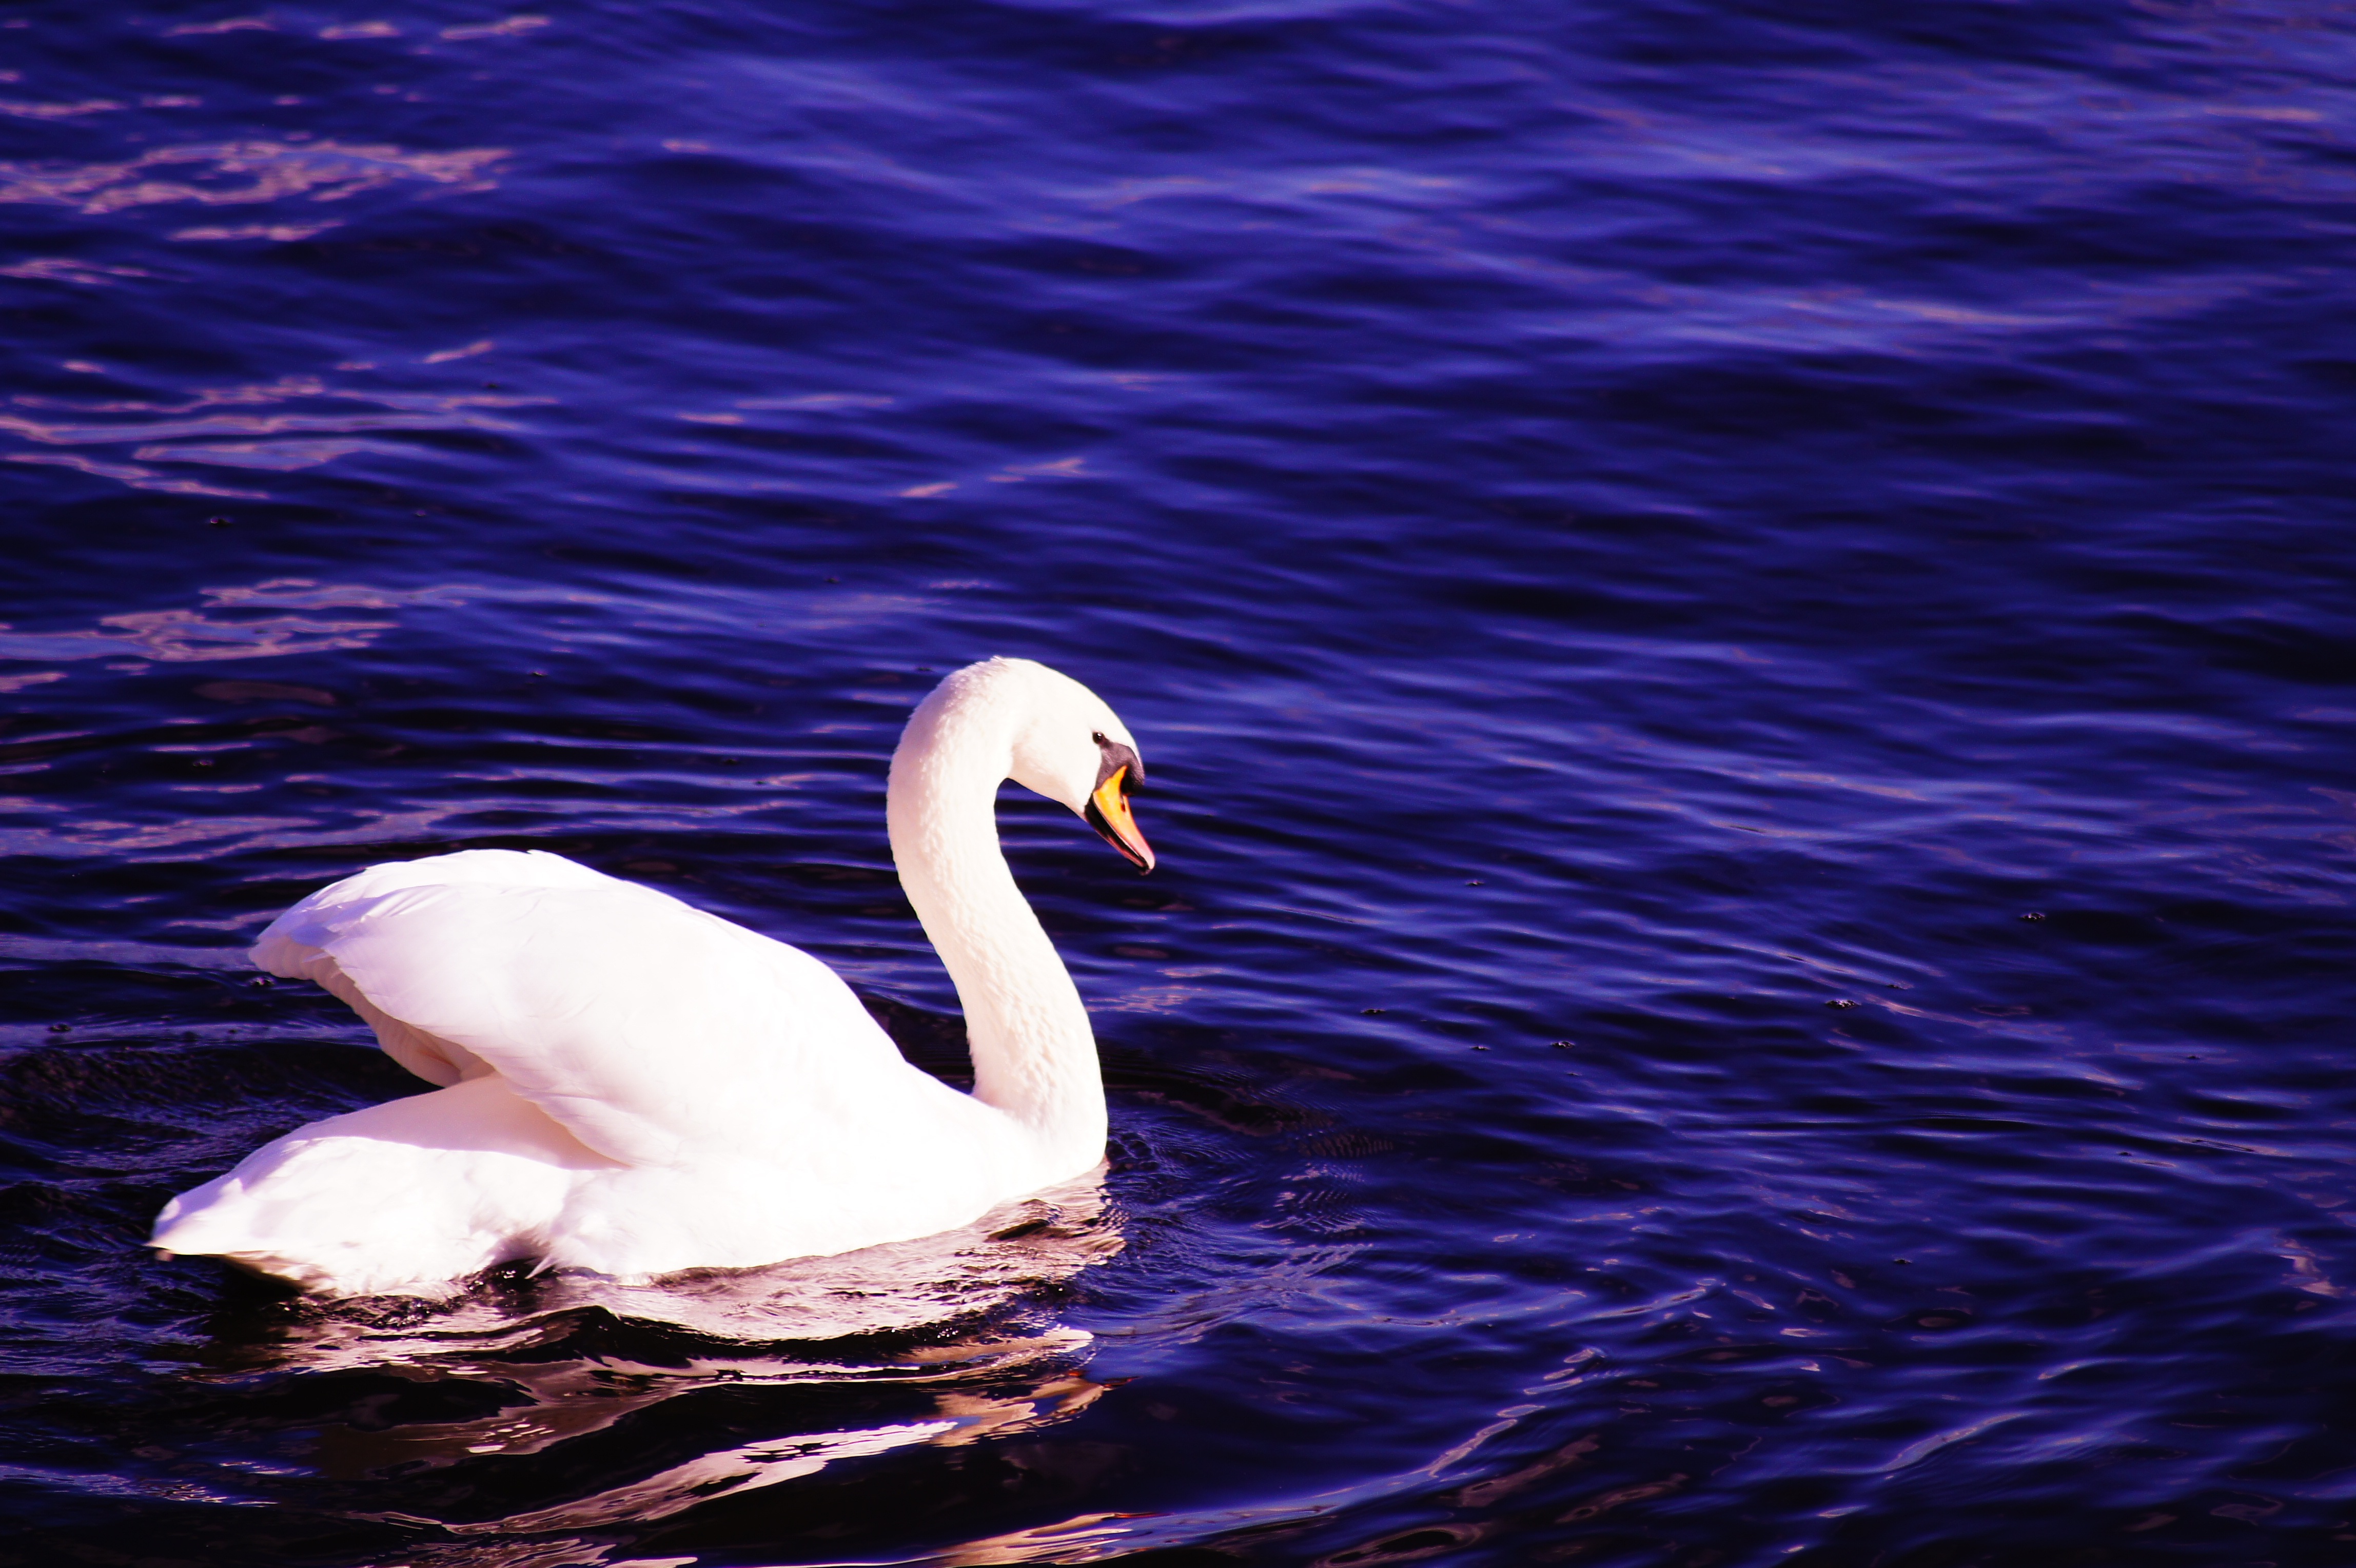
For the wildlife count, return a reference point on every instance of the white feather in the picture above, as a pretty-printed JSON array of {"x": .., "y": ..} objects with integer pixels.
[{"x": 636, "y": 1087}]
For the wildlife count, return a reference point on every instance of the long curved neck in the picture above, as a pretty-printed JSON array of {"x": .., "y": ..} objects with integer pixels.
[{"x": 1034, "y": 1056}]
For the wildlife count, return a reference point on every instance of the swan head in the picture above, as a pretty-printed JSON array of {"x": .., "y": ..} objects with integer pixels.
[
  {"x": 1068, "y": 743},
  {"x": 1073, "y": 748}
]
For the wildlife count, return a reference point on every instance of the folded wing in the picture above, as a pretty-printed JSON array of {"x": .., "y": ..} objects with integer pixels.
[{"x": 652, "y": 1031}]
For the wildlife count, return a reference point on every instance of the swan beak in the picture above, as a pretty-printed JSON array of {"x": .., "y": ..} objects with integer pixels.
[{"x": 1107, "y": 812}]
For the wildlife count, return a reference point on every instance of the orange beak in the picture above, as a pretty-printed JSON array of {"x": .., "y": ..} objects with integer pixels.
[{"x": 1108, "y": 813}]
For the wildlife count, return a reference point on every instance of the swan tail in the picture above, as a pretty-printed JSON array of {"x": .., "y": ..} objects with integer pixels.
[{"x": 407, "y": 1198}]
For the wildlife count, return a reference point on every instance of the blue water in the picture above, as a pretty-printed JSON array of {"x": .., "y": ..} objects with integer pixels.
[{"x": 1741, "y": 617}]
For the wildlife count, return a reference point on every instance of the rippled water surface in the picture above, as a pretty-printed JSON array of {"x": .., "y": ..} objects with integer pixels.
[{"x": 1741, "y": 617}]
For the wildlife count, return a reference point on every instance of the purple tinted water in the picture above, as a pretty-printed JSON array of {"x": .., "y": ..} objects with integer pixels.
[{"x": 1742, "y": 619}]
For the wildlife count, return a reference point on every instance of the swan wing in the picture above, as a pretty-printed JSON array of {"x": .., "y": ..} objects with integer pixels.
[{"x": 649, "y": 1029}]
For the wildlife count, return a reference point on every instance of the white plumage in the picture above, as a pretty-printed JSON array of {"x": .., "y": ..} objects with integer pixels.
[{"x": 635, "y": 1087}]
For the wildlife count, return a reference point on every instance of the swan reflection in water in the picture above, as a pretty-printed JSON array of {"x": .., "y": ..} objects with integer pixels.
[{"x": 948, "y": 1335}]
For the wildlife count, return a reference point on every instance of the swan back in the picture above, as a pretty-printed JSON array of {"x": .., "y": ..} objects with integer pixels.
[{"x": 642, "y": 1026}]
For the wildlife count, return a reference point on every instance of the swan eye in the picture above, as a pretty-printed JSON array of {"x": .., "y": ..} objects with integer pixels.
[{"x": 1099, "y": 738}]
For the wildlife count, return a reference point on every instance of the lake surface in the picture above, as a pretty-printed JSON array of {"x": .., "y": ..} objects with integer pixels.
[{"x": 1741, "y": 617}]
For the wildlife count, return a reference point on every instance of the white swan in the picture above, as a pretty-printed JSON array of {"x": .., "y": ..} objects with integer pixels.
[{"x": 635, "y": 1087}]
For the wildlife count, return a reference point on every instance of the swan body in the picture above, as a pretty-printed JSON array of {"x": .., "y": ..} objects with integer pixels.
[{"x": 632, "y": 1086}]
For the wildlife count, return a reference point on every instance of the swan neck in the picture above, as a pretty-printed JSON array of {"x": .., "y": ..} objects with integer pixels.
[{"x": 1034, "y": 1053}]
